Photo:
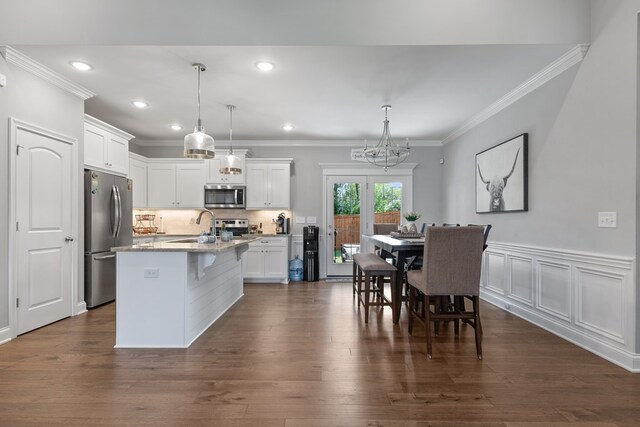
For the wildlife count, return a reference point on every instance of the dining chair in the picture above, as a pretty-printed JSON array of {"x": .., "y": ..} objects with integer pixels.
[
  {"x": 486, "y": 229},
  {"x": 451, "y": 266},
  {"x": 424, "y": 227}
]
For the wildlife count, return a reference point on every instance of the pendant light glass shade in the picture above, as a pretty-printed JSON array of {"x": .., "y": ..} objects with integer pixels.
[
  {"x": 199, "y": 145},
  {"x": 231, "y": 164},
  {"x": 386, "y": 153}
]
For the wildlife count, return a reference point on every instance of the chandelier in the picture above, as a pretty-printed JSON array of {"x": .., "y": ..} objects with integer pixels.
[
  {"x": 386, "y": 153},
  {"x": 231, "y": 164},
  {"x": 199, "y": 145}
]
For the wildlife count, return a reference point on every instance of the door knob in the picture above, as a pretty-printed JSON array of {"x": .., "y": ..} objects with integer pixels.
[{"x": 68, "y": 239}]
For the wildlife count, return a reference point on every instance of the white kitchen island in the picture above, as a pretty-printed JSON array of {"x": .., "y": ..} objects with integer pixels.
[{"x": 168, "y": 293}]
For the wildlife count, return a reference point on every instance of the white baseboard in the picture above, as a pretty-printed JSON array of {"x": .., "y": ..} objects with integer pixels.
[
  {"x": 585, "y": 298},
  {"x": 5, "y": 335},
  {"x": 81, "y": 308}
]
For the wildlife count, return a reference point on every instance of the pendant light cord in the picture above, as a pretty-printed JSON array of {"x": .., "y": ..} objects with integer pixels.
[{"x": 231, "y": 108}]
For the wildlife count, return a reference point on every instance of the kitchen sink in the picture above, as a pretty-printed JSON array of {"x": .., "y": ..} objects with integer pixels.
[{"x": 189, "y": 240}]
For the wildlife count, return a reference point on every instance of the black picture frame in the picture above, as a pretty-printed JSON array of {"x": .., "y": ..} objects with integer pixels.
[{"x": 502, "y": 178}]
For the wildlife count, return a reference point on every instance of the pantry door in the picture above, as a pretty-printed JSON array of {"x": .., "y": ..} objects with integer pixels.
[{"x": 43, "y": 230}]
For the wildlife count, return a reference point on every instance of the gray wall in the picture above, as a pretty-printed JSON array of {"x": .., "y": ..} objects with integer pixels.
[
  {"x": 31, "y": 99},
  {"x": 583, "y": 152},
  {"x": 582, "y": 149},
  {"x": 306, "y": 178}
]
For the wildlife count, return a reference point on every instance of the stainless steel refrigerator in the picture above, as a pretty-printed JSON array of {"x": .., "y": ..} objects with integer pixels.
[{"x": 107, "y": 223}]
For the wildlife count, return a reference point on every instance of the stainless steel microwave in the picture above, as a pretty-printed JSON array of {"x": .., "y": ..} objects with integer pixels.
[{"x": 224, "y": 196}]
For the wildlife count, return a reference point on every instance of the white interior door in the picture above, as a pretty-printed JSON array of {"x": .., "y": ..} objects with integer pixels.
[
  {"x": 346, "y": 221},
  {"x": 44, "y": 224}
]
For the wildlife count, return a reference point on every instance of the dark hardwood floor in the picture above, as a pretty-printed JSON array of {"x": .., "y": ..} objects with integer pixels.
[{"x": 301, "y": 355}]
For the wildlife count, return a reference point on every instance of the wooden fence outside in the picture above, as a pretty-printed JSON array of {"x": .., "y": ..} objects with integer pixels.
[{"x": 348, "y": 226}]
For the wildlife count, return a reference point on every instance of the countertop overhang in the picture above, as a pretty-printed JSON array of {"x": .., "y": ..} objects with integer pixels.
[{"x": 170, "y": 246}]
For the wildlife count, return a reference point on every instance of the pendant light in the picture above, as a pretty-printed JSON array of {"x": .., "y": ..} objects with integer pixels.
[
  {"x": 199, "y": 145},
  {"x": 231, "y": 164},
  {"x": 386, "y": 153}
]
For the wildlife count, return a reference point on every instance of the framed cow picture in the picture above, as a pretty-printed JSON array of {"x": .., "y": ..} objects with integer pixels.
[{"x": 501, "y": 177}]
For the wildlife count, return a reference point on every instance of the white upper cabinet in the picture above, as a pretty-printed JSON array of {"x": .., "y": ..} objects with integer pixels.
[
  {"x": 213, "y": 169},
  {"x": 175, "y": 184},
  {"x": 190, "y": 185},
  {"x": 106, "y": 147},
  {"x": 138, "y": 174},
  {"x": 268, "y": 183}
]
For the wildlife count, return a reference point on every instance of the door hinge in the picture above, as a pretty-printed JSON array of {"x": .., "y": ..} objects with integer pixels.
[
  {"x": 17, "y": 302},
  {"x": 17, "y": 226},
  {"x": 18, "y": 147}
]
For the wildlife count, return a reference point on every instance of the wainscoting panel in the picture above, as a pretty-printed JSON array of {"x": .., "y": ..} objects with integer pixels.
[
  {"x": 588, "y": 299},
  {"x": 495, "y": 271},
  {"x": 600, "y": 302},
  {"x": 520, "y": 279},
  {"x": 554, "y": 289}
]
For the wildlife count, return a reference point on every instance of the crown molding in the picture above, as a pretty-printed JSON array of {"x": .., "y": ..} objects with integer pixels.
[
  {"x": 557, "y": 67},
  {"x": 347, "y": 143},
  {"x": 21, "y": 60},
  {"x": 106, "y": 126}
]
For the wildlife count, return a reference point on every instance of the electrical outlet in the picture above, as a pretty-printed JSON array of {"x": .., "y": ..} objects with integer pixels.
[
  {"x": 607, "y": 219},
  {"x": 311, "y": 219},
  {"x": 301, "y": 219},
  {"x": 151, "y": 273}
]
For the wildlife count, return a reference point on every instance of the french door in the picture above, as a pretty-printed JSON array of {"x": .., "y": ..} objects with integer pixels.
[
  {"x": 354, "y": 203},
  {"x": 346, "y": 202}
]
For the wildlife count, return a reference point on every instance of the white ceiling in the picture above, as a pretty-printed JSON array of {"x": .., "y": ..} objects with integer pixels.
[{"x": 328, "y": 93}]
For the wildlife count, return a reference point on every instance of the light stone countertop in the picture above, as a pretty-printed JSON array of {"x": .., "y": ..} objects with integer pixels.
[{"x": 173, "y": 246}]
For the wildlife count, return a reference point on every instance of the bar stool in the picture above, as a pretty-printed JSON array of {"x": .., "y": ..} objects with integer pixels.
[{"x": 376, "y": 268}]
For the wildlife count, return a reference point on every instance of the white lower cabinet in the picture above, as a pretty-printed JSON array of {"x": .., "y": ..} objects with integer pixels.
[{"x": 267, "y": 260}]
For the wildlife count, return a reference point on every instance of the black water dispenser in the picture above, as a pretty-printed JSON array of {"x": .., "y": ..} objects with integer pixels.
[{"x": 311, "y": 272}]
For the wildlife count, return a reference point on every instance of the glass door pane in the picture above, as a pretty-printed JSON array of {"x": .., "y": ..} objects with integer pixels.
[{"x": 387, "y": 202}]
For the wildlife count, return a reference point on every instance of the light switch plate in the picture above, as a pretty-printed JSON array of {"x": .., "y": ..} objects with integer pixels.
[
  {"x": 301, "y": 220},
  {"x": 3, "y": 80},
  {"x": 151, "y": 273},
  {"x": 607, "y": 219},
  {"x": 311, "y": 220}
]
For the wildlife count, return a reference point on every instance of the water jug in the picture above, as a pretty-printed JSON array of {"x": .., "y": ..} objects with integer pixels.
[{"x": 295, "y": 269}]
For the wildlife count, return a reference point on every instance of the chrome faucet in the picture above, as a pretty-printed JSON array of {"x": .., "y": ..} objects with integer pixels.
[{"x": 212, "y": 226}]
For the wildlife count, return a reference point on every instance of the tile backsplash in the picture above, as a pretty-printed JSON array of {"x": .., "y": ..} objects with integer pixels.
[{"x": 183, "y": 221}]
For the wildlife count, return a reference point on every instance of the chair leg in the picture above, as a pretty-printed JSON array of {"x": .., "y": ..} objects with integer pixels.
[
  {"x": 427, "y": 323},
  {"x": 353, "y": 277},
  {"x": 436, "y": 309},
  {"x": 367, "y": 285},
  {"x": 412, "y": 298},
  {"x": 359, "y": 284},
  {"x": 476, "y": 313}
]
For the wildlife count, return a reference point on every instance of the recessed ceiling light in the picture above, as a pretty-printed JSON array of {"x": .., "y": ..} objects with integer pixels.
[
  {"x": 140, "y": 104},
  {"x": 288, "y": 127},
  {"x": 81, "y": 66},
  {"x": 176, "y": 127},
  {"x": 265, "y": 66}
]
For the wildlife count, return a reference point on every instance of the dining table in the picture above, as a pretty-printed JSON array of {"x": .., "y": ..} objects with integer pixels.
[{"x": 399, "y": 249}]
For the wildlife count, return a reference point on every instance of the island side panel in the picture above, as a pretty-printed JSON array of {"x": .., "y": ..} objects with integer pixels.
[
  {"x": 212, "y": 295},
  {"x": 150, "y": 312}
]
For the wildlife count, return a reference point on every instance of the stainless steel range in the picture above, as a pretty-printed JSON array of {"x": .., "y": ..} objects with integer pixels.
[{"x": 236, "y": 226}]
